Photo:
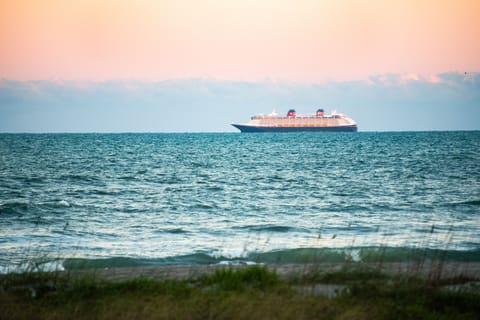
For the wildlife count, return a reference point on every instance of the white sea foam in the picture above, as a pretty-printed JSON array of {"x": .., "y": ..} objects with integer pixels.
[
  {"x": 238, "y": 263},
  {"x": 355, "y": 255},
  {"x": 50, "y": 266},
  {"x": 64, "y": 203}
]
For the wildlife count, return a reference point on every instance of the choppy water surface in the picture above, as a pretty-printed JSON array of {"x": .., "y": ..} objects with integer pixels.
[{"x": 129, "y": 199}]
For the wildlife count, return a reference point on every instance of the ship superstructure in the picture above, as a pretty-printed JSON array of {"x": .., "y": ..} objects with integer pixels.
[{"x": 293, "y": 122}]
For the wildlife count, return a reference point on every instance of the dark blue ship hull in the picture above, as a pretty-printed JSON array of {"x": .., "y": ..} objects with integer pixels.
[{"x": 248, "y": 128}]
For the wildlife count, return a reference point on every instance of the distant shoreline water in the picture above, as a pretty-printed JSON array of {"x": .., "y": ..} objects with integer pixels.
[
  {"x": 215, "y": 132},
  {"x": 128, "y": 199}
]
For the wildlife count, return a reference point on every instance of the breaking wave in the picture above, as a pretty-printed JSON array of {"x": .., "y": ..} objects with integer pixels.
[{"x": 290, "y": 256}]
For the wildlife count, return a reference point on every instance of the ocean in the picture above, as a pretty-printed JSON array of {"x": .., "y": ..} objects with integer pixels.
[{"x": 72, "y": 201}]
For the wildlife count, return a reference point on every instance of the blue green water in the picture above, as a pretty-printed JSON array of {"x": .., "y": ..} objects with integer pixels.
[{"x": 137, "y": 199}]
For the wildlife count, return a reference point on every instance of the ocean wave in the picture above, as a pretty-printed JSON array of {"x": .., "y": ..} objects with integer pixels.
[
  {"x": 32, "y": 209},
  {"x": 359, "y": 254},
  {"x": 80, "y": 178},
  {"x": 32, "y": 180},
  {"x": 121, "y": 262},
  {"x": 272, "y": 228},
  {"x": 466, "y": 203},
  {"x": 288, "y": 256},
  {"x": 15, "y": 207},
  {"x": 172, "y": 230},
  {"x": 33, "y": 266},
  {"x": 128, "y": 178},
  {"x": 55, "y": 204},
  {"x": 202, "y": 206}
]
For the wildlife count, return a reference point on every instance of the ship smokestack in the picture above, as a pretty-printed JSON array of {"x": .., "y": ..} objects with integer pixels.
[
  {"x": 291, "y": 113},
  {"x": 320, "y": 113}
]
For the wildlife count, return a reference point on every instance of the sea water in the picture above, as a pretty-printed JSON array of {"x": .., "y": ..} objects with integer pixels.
[{"x": 105, "y": 200}]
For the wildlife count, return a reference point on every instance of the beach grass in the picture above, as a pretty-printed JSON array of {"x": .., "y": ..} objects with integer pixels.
[{"x": 250, "y": 292}]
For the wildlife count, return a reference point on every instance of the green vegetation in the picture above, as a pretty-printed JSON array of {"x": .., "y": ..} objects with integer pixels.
[{"x": 246, "y": 293}]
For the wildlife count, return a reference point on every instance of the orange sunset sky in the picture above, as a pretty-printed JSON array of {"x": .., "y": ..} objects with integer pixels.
[{"x": 293, "y": 40}]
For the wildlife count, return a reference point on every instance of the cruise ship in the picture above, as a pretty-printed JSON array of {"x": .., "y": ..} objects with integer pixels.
[{"x": 296, "y": 123}]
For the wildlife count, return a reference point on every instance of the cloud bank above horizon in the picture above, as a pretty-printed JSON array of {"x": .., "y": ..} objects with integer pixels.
[{"x": 389, "y": 102}]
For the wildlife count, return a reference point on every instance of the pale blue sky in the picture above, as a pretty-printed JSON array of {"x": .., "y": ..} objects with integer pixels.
[{"x": 392, "y": 102}]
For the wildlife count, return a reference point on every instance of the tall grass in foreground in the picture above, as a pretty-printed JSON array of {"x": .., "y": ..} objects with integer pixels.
[
  {"x": 321, "y": 288},
  {"x": 247, "y": 293}
]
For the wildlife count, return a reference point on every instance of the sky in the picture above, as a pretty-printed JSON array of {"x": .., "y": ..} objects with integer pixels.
[{"x": 113, "y": 65}]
